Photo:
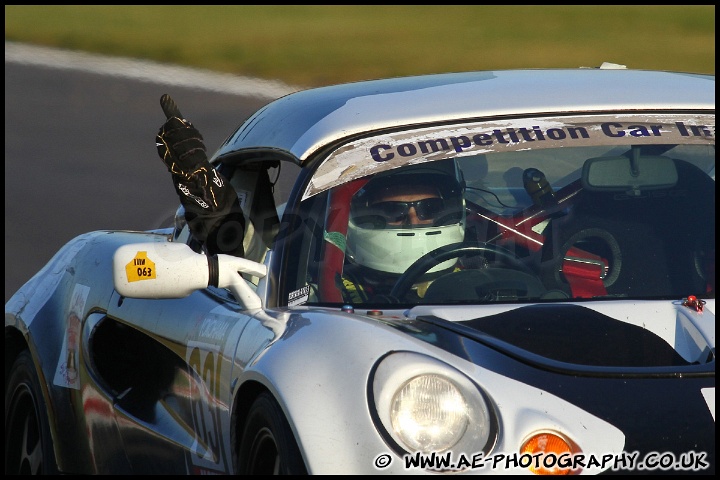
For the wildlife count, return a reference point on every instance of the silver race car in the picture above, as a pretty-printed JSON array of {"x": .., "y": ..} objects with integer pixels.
[{"x": 494, "y": 272}]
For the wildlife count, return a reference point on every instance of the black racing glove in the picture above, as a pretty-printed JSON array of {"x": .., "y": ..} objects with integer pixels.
[{"x": 212, "y": 209}]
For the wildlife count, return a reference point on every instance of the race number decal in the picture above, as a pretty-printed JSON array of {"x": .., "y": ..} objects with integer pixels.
[{"x": 140, "y": 268}]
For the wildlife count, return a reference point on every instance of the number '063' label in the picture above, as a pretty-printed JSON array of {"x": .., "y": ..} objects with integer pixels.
[{"x": 140, "y": 268}]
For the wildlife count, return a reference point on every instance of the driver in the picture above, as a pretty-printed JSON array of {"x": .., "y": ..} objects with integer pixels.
[{"x": 396, "y": 218}]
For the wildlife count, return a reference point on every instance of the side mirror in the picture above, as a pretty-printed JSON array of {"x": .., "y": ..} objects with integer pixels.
[{"x": 173, "y": 270}]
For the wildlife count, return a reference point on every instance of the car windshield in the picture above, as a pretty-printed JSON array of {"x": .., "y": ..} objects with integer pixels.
[{"x": 520, "y": 210}]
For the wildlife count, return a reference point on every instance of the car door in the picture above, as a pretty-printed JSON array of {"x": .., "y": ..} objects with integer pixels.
[{"x": 174, "y": 392}]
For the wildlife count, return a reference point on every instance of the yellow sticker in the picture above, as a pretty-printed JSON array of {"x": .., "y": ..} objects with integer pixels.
[{"x": 140, "y": 268}]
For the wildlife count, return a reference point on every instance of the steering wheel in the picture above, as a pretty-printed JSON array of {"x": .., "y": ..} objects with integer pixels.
[{"x": 446, "y": 252}]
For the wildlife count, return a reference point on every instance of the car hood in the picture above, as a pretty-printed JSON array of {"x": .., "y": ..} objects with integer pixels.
[{"x": 589, "y": 336}]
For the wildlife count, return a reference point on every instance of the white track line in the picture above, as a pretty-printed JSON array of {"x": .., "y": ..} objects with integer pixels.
[{"x": 145, "y": 71}]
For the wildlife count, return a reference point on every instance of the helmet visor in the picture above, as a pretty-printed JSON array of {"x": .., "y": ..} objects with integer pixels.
[
  {"x": 432, "y": 211},
  {"x": 399, "y": 212}
]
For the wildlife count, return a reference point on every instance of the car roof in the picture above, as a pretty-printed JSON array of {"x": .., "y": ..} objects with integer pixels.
[{"x": 299, "y": 124}]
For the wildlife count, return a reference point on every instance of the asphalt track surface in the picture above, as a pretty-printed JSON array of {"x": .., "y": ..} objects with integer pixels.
[{"x": 80, "y": 149}]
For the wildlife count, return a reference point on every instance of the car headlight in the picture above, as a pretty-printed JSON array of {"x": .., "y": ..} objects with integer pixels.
[
  {"x": 429, "y": 413},
  {"x": 424, "y": 405}
]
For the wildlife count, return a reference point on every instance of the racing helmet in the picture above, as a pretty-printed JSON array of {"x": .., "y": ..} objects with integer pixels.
[{"x": 377, "y": 236}]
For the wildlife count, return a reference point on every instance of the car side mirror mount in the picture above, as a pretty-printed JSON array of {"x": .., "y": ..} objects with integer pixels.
[{"x": 164, "y": 270}]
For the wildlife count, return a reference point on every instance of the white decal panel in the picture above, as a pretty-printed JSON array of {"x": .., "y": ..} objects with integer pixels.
[
  {"x": 66, "y": 373},
  {"x": 709, "y": 395}
]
